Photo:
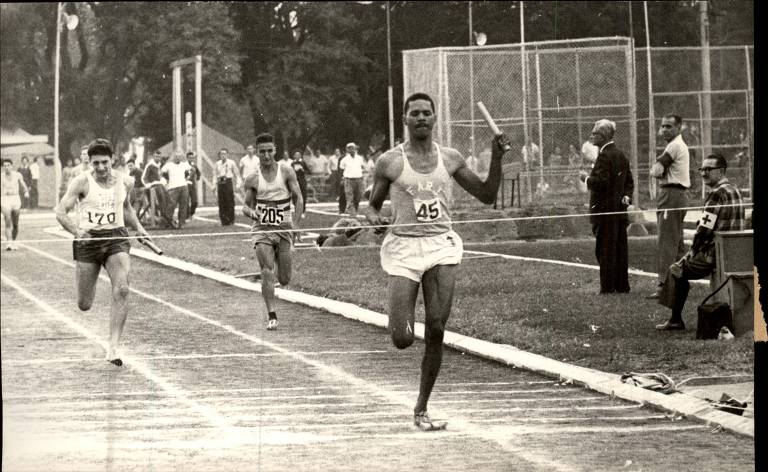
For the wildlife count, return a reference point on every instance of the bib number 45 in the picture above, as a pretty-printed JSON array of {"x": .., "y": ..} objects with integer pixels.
[{"x": 428, "y": 210}]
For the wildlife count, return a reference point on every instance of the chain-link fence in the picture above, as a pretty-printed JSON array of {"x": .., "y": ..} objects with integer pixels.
[{"x": 549, "y": 94}]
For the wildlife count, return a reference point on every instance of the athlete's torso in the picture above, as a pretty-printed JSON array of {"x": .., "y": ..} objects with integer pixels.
[
  {"x": 10, "y": 183},
  {"x": 273, "y": 201},
  {"x": 102, "y": 208},
  {"x": 421, "y": 200}
]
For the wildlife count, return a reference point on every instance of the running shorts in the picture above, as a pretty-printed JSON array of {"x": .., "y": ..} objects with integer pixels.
[{"x": 412, "y": 256}]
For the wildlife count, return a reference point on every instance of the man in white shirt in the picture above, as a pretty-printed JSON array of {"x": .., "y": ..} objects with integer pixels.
[
  {"x": 175, "y": 172},
  {"x": 34, "y": 169},
  {"x": 352, "y": 165},
  {"x": 531, "y": 154},
  {"x": 249, "y": 163}
]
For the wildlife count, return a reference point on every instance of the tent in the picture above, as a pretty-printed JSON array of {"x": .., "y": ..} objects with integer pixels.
[{"x": 16, "y": 143}]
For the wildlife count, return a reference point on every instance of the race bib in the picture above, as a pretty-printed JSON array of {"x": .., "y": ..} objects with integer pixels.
[
  {"x": 101, "y": 218},
  {"x": 270, "y": 215},
  {"x": 427, "y": 210}
]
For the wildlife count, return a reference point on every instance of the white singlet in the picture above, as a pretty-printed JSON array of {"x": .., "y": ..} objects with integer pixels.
[{"x": 102, "y": 208}]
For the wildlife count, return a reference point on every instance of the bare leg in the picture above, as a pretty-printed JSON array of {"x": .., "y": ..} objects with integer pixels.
[
  {"x": 118, "y": 265},
  {"x": 86, "y": 275},
  {"x": 265, "y": 253},
  {"x": 438, "y": 283},
  {"x": 402, "y": 302},
  {"x": 8, "y": 220}
]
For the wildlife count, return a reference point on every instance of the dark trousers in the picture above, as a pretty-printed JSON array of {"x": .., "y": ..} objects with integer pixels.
[
  {"x": 192, "y": 190},
  {"x": 353, "y": 190},
  {"x": 675, "y": 291},
  {"x": 178, "y": 197},
  {"x": 15, "y": 221},
  {"x": 612, "y": 253},
  {"x": 670, "y": 224},
  {"x": 226, "y": 198},
  {"x": 33, "y": 194}
]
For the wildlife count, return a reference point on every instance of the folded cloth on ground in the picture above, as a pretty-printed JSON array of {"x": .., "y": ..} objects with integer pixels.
[{"x": 652, "y": 381}]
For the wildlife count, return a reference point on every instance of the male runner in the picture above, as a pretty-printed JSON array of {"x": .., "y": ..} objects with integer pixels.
[
  {"x": 417, "y": 176},
  {"x": 103, "y": 208},
  {"x": 11, "y": 202},
  {"x": 268, "y": 196}
]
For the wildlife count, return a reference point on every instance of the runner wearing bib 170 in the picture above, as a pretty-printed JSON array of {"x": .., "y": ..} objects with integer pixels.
[
  {"x": 100, "y": 196},
  {"x": 268, "y": 195},
  {"x": 10, "y": 201},
  {"x": 421, "y": 248}
]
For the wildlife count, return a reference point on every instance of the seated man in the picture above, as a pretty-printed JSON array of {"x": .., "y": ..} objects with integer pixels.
[{"x": 723, "y": 211}]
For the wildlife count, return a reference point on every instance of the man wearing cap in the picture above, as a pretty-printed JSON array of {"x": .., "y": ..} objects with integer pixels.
[
  {"x": 352, "y": 165},
  {"x": 723, "y": 211}
]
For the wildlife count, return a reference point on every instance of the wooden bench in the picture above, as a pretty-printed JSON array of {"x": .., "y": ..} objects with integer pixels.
[{"x": 734, "y": 253}]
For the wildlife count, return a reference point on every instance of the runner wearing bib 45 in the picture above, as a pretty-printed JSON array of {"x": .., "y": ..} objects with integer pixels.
[
  {"x": 421, "y": 249},
  {"x": 268, "y": 203}
]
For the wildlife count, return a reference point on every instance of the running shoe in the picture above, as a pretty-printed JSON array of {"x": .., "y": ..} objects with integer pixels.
[
  {"x": 425, "y": 423},
  {"x": 272, "y": 325}
]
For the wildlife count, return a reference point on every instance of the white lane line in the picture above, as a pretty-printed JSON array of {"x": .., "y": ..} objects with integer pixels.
[
  {"x": 264, "y": 389},
  {"x": 458, "y": 423},
  {"x": 233, "y": 402},
  {"x": 565, "y": 263},
  {"x": 178, "y": 394},
  {"x": 23, "y": 362}
]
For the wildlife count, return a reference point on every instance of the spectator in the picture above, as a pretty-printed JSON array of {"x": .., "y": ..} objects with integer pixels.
[
  {"x": 611, "y": 186},
  {"x": 248, "y": 163},
  {"x": 575, "y": 161},
  {"x": 66, "y": 176},
  {"x": 138, "y": 195},
  {"x": 156, "y": 193},
  {"x": 531, "y": 154},
  {"x": 556, "y": 158},
  {"x": 672, "y": 171},
  {"x": 370, "y": 164},
  {"x": 193, "y": 175},
  {"x": 82, "y": 164},
  {"x": 723, "y": 211},
  {"x": 352, "y": 164},
  {"x": 225, "y": 175},
  {"x": 334, "y": 180},
  {"x": 314, "y": 165},
  {"x": 34, "y": 169},
  {"x": 301, "y": 169},
  {"x": 324, "y": 164},
  {"x": 176, "y": 171},
  {"x": 26, "y": 174},
  {"x": 589, "y": 153}
]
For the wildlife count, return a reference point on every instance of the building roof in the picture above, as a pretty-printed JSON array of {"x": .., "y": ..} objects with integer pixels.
[
  {"x": 212, "y": 142},
  {"x": 10, "y": 137}
]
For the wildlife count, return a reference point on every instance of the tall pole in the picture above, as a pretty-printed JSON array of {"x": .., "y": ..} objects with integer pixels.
[
  {"x": 199, "y": 122},
  {"x": 651, "y": 117},
  {"x": 523, "y": 61},
  {"x": 389, "y": 83},
  {"x": 57, "y": 161},
  {"x": 706, "y": 132},
  {"x": 471, "y": 85}
]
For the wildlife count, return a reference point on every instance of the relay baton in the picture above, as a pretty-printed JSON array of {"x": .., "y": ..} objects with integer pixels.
[
  {"x": 148, "y": 242},
  {"x": 492, "y": 124}
]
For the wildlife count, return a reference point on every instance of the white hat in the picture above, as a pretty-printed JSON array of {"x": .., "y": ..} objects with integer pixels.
[{"x": 349, "y": 145}]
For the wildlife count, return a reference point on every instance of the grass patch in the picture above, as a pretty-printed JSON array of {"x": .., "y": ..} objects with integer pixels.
[{"x": 538, "y": 307}]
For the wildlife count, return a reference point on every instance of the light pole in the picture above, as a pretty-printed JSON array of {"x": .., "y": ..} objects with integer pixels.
[
  {"x": 479, "y": 39},
  {"x": 389, "y": 83},
  {"x": 71, "y": 23}
]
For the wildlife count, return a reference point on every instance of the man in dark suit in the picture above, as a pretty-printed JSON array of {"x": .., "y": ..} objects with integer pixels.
[{"x": 611, "y": 187}]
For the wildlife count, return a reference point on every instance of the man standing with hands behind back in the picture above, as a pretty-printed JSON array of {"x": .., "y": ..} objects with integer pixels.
[
  {"x": 673, "y": 174},
  {"x": 611, "y": 187}
]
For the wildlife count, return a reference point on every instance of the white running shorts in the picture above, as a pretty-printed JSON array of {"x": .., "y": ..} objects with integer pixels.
[{"x": 412, "y": 256}]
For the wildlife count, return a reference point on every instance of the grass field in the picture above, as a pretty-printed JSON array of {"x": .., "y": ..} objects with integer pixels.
[{"x": 539, "y": 307}]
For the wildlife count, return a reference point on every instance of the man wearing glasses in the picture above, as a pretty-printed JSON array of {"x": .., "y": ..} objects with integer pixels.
[
  {"x": 723, "y": 211},
  {"x": 672, "y": 172},
  {"x": 268, "y": 196}
]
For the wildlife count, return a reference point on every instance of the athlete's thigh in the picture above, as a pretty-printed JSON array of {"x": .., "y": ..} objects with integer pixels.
[
  {"x": 402, "y": 300},
  {"x": 265, "y": 254},
  {"x": 284, "y": 261},
  {"x": 86, "y": 275},
  {"x": 7, "y": 215},
  {"x": 438, "y": 284},
  {"x": 118, "y": 266}
]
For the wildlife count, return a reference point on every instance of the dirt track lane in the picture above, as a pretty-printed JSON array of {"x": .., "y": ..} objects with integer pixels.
[{"x": 205, "y": 387}]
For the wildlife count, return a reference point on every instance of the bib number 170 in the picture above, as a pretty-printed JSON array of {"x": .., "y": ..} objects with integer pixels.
[{"x": 101, "y": 218}]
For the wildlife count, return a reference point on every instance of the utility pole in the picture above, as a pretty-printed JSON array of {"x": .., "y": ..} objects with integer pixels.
[{"x": 706, "y": 132}]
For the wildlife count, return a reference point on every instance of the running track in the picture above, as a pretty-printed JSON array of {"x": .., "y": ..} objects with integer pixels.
[{"x": 205, "y": 387}]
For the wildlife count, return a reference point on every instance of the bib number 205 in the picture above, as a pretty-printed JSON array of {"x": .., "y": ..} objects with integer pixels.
[
  {"x": 427, "y": 210},
  {"x": 271, "y": 216}
]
